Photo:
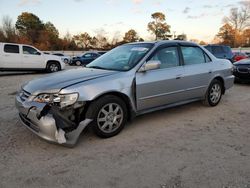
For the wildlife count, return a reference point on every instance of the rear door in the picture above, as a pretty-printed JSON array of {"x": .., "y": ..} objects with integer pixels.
[
  {"x": 11, "y": 57},
  {"x": 162, "y": 86},
  {"x": 198, "y": 71},
  {"x": 32, "y": 59}
]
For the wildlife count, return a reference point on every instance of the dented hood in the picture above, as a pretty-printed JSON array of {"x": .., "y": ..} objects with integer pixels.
[{"x": 57, "y": 81}]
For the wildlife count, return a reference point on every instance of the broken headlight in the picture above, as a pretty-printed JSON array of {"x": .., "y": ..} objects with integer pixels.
[{"x": 62, "y": 100}]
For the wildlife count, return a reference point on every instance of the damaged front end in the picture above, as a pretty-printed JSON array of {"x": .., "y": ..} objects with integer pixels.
[{"x": 53, "y": 117}]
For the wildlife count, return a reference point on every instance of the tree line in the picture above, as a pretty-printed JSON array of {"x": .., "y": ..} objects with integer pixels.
[
  {"x": 235, "y": 31},
  {"x": 30, "y": 29}
]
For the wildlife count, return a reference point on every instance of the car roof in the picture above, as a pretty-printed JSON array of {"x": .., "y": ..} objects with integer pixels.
[
  {"x": 216, "y": 45},
  {"x": 166, "y": 42}
]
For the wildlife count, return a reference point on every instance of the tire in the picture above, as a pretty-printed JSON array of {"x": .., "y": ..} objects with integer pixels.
[
  {"x": 53, "y": 67},
  {"x": 109, "y": 115},
  {"x": 214, "y": 93},
  {"x": 66, "y": 61},
  {"x": 78, "y": 63}
]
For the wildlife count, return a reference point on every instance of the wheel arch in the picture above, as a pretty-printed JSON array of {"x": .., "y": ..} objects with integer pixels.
[
  {"x": 53, "y": 61},
  {"x": 122, "y": 96},
  {"x": 219, "y": 78}
]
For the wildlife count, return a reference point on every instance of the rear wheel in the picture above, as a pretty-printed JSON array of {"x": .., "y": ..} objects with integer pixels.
[
  {"x": 53, "y": 67},
  {"x": 214, "y": 93},
  {"x": 110, "y": 116}
]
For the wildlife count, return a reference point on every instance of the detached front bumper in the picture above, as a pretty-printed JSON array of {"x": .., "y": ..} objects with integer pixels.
[{"x": 45, "y": 126}]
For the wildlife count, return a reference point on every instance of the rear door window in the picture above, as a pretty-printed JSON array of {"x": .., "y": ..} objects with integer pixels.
[
  {"x": 193, "y": 55},
  {"x": 9, "y": 48}
]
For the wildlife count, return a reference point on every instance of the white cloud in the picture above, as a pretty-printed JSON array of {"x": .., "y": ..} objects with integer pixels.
[
  {"x": 137, "y": 1},
  {"x": 27, "y": 2},
  {"x": 186, "y": 10}
]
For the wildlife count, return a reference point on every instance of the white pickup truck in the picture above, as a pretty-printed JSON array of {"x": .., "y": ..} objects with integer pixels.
[{"x": 26, "y": 57}]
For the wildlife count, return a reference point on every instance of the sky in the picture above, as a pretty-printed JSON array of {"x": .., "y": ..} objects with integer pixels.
[{"x": 198, "y": 19}]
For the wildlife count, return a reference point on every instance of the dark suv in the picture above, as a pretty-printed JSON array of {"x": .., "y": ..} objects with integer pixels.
[{"x": 221, "y": 51}]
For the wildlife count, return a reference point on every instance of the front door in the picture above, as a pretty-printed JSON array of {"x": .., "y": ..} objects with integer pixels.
[
  {"x": 162, "y": 86},
  {"x": 32, "y": 58}
]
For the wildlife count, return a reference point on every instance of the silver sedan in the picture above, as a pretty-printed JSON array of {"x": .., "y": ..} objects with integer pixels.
[{"x": 128, "y": 81}]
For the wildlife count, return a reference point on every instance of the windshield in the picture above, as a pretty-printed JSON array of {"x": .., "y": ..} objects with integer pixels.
[{"x": 122, "y": 58}]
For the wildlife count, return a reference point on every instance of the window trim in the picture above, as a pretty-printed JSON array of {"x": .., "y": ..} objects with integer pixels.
[
  {"x": 29, "y": 53},
  {"x": 11, "y": 45},
  {"x": 194, "y": 46},
  {"x": 162, "y": 47}
]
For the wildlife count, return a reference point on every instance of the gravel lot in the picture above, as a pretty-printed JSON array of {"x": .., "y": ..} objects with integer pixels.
[{"x": 184, "y": 147}]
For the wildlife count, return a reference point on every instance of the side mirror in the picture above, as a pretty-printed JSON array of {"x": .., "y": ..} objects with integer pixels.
[
  {"x": 150, "y": 65},
  {"x": 38, "y": 53}
]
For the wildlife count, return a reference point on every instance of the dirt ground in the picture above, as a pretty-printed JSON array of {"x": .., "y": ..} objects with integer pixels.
[{"x": 191, "y": 146}]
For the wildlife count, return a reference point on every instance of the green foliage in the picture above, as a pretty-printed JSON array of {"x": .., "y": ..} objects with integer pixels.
[
  {"x": 51, "y": 29},
  {"x": 158, "y": 26},
  {"x": 30, "y": 26},
  {"x": 131, "y": 36}
]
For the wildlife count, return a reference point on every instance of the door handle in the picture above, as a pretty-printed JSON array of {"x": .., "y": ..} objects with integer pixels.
[
  {"x": 178, "y": 77},
  {"x": 210, "y": 71},
  {"x": 6, "y": 55}
]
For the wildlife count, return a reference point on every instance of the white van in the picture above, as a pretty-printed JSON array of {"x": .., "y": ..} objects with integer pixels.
[{"x": 26, "y": 57}]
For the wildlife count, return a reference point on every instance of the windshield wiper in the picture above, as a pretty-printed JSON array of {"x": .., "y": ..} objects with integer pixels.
[{"x": 97, "y": 67}]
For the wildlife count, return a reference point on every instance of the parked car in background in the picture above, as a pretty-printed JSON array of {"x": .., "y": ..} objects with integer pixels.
[
  {"x": 26, "y": 57},
  {"x": 128, "y": 81},
  {"x": 241, "y": 70},
  {"x": 239, "y": 56},
  {"x": 221, "y": 51},
  {"x": 248, "y": 54},
  {"x": 66, "y": 59},
  {"x": 102, "y": 52},
  {"x": 84, "y": 59}
]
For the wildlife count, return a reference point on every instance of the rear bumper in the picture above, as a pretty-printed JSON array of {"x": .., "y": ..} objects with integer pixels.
[
  {"x": 229, "y": 81},
  {"x": 242, "y": 76}
]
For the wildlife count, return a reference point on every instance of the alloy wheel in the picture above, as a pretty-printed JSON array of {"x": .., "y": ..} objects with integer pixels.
[
  {"x": 110, "y": 117},
  {"x": 215, "y": 93},
  {"x": 53, "y": 68}
]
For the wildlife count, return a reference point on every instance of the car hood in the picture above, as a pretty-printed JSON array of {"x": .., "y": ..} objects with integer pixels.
[
  {"x": 243, "y": 62},
  {"x": 57, "y": 81}
]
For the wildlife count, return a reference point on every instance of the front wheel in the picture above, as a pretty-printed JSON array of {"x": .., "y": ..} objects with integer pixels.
[
  {"x": 66, "y": 61},
  {"x": 78, "y": 63},
  {"x": 110, "y": 116},
  {"x": 53, "y": 67},
  {"x": 214, "y": 93}
]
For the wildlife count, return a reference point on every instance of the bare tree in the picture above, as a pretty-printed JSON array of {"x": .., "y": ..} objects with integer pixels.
[
  {"x": 8, "y": 29},
  {"x": 239, "y": 19},
  {"x": 83, "y": 40}
]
